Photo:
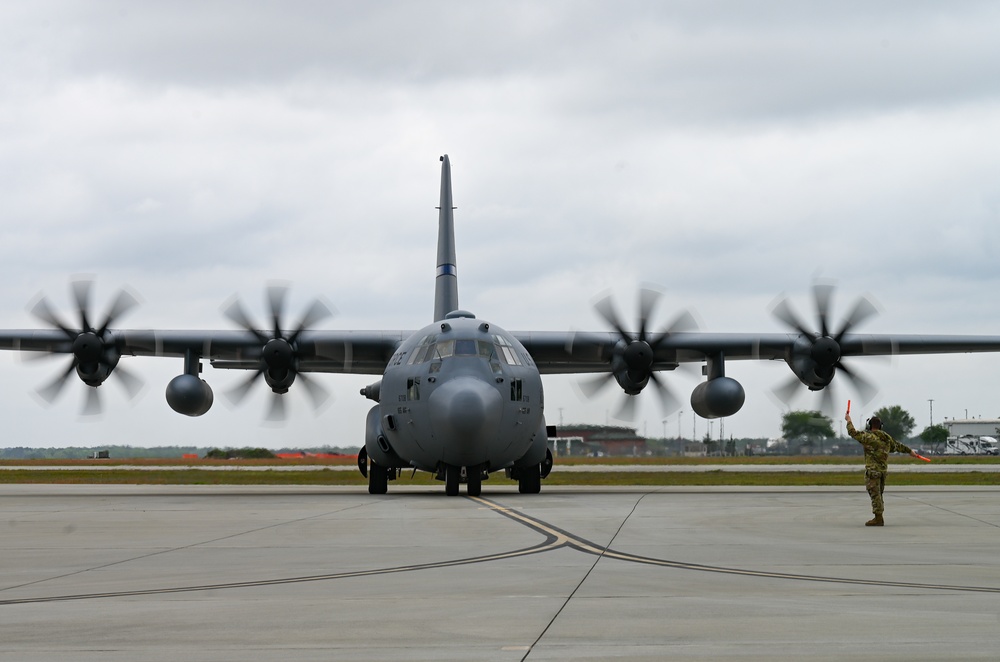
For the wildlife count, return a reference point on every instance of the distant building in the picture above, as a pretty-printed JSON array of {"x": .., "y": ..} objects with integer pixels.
[
  {"x": 972, "y": 427},
  {"x": 695, "y": 449},
  {"x": 598, "y": 439}
]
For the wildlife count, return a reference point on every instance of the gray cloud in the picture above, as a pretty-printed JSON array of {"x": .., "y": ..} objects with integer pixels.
[{"x": 726, "y": 151}]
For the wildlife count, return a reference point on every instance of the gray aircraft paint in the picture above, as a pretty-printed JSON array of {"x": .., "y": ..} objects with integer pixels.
[
  {"x": 462, "y": 410},
  {"x": 446, "y": 282}
]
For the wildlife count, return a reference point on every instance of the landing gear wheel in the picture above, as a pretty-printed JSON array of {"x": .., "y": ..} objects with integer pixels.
[
  {"x": 474, "y": 481},
  {"x": 529, "y": 479},
  {"x": 452, "y": 476},
  {"x": 378, "y": 479}
]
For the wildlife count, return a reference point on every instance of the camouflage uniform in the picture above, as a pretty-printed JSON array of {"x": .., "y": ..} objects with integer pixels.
[{"x": 878, "y": 444}]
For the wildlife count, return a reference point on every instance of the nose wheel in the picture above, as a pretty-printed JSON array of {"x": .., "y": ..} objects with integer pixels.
[
  {"x": 454, "y": 476},
  {"x": 474, "y": 481}
]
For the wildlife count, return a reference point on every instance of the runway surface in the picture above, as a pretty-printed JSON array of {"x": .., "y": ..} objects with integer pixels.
[{"x": 320, "y": 573}]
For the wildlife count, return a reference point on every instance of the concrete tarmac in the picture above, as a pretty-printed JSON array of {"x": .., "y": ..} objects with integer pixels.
[{"x": 117, "y": 573}]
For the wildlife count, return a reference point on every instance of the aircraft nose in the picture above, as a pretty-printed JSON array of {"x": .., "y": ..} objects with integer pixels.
[{"x": 465, "y": 415}]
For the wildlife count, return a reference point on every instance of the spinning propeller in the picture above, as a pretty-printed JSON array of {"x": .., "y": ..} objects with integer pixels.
[
  {"x": 820, "y": 357},
  {"x": 95, "y": 353},
  {"x": 280, "y": 351},
  {"x": 632, "y": 363}
]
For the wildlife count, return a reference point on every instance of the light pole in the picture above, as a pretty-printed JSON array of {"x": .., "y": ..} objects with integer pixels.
[{"x": 931, "y": 401}]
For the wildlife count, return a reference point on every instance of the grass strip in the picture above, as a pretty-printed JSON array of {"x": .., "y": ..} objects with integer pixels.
[{"x": 610, "y": 478}]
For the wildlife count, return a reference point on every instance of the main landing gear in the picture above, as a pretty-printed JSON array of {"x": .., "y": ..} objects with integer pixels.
[
  {"x": 529, "y": 479},
  {"x": 378, "y": 479},
  {"x": 378, "y": 476}
]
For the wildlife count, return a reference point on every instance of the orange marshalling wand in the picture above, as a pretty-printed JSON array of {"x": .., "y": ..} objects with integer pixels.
[
  {"x": 848, "y": 406},
  {"x": 925, "y": 459}
]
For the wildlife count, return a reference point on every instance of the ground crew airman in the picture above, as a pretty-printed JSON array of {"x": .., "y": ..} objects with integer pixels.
[{"x": 877, "y": 444}]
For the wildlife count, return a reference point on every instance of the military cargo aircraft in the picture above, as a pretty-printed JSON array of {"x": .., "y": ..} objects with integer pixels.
[{"x": 462, "y": 398}]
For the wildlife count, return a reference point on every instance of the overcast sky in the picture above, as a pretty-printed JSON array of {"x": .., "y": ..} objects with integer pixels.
[{"x": 727, "y": 152}]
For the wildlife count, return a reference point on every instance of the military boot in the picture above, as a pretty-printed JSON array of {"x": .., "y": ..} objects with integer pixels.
[{"x": 875, "y": 521}]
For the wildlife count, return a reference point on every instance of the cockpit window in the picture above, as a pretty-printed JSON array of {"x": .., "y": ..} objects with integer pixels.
[
  {"x": 447, "y": 348},
  {"x": 506, "y": 350},
  {"x": 423, "y": 350},
  {"x": 431, "y": 349}
]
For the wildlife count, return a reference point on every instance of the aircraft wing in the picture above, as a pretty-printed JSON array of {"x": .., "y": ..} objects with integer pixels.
[
  {"x": 583, "y": 352},
  {"x": 359, "y": 352},
  {"x": 633, "y": 360}
]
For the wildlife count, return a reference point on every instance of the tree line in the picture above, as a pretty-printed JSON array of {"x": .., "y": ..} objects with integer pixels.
[{"x": 813, "y": 427}]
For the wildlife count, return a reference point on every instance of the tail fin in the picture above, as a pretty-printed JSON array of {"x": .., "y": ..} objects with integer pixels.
[{"x": 446, "y": 283}]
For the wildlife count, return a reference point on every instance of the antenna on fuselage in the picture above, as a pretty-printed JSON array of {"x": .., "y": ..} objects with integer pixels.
[{"x": 446, "y": 282}]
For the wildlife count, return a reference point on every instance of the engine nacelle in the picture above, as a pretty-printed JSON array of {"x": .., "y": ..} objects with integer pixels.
[
  {"x": 631, "y": 365},
  {"x": 94, "y": 361},
  {"x": 803, "y": 361},
  {"x": 805, "y": 371},
  {"x": 722, "y": 396},
  {"x": 189, "y": 395}
]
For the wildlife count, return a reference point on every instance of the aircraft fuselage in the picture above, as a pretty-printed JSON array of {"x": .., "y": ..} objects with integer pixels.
[{"x": 459, "y": 393}]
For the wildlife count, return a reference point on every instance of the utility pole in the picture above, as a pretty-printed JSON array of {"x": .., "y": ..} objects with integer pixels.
[{"x": 931, "y": 400}]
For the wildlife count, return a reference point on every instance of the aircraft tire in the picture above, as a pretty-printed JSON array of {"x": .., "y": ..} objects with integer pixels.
[
  {"x": 452, "y": 476},
  {"x": 529, "y": 480},
  {"x": 474, "y": 481},
  {"x": 378, "y": 479}
]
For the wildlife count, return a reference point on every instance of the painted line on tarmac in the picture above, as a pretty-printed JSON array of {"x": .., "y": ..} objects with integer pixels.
[{"x": 586, "y": 546}]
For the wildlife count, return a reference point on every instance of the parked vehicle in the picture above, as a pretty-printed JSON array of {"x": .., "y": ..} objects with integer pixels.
[{"x": 970, "y": 445}]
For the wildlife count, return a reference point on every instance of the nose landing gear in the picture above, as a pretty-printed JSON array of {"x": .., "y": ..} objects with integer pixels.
[{"x": 453, "y": 476}]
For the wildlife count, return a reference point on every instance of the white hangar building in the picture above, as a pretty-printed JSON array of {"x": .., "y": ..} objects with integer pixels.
[{"x": 973, "y": 427}]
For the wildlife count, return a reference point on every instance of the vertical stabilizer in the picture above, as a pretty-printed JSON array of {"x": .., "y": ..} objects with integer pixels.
[{"x": 446, "y": 283}]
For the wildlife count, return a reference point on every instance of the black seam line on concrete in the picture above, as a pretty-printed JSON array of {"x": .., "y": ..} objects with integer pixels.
[
  {"x": 587, "y": 547},
  {"x": 945, "y": 510},
  {"x": 176, "y": 549},
  {"x": 583, "y": 580},
  {"x": 551, "y": 542}
]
